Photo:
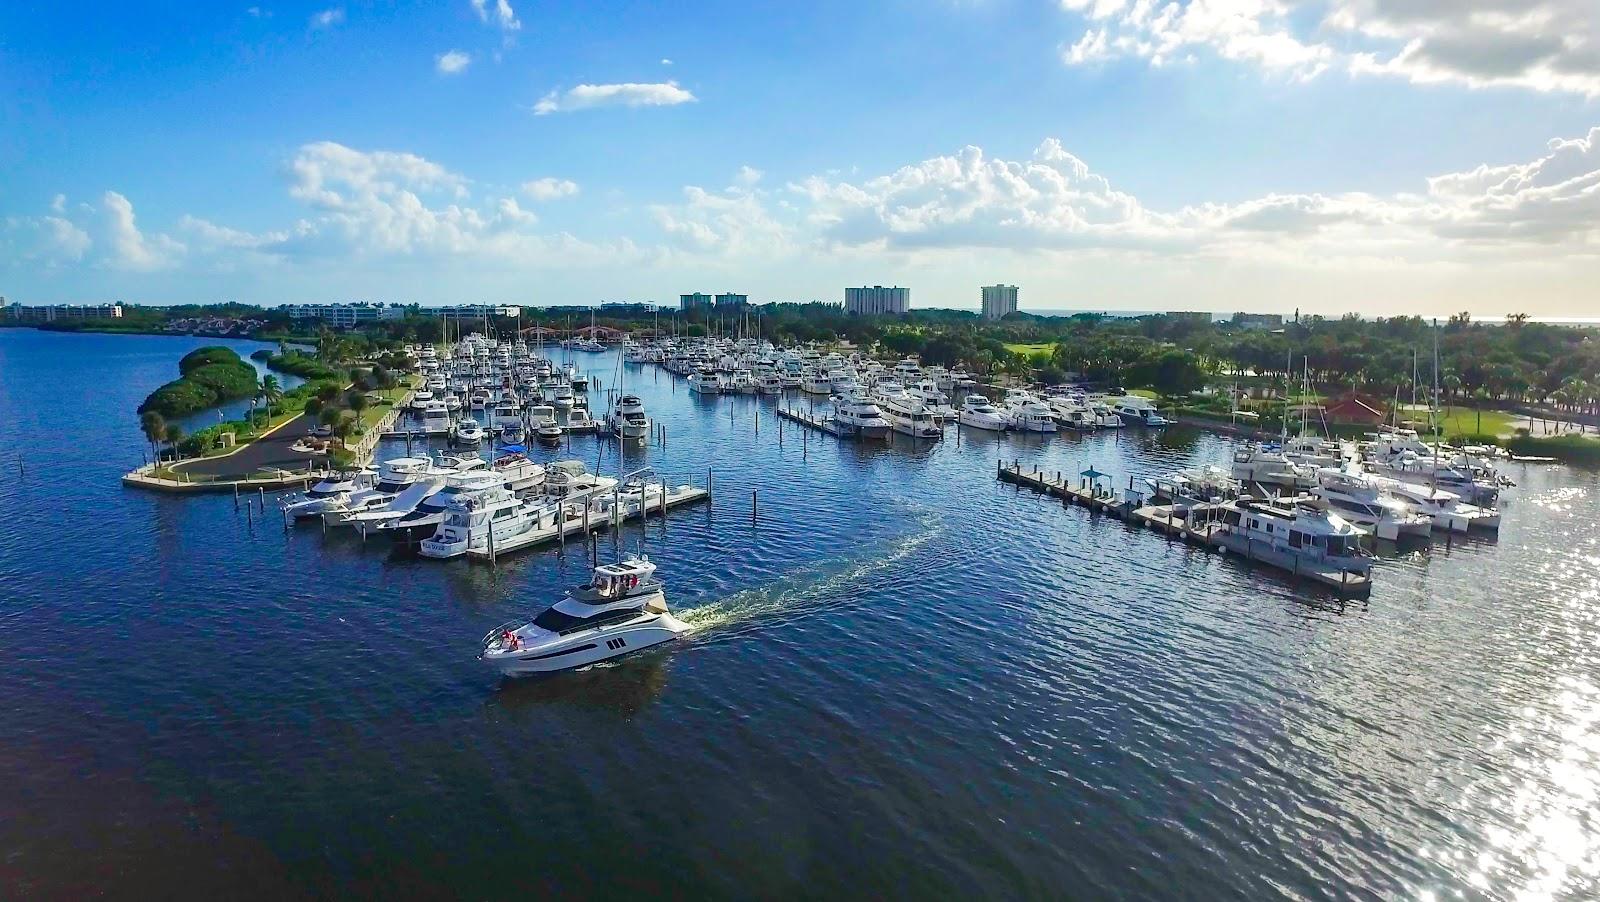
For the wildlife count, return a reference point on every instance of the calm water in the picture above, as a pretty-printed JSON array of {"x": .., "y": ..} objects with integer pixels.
[{"x": 905, "y": 679}]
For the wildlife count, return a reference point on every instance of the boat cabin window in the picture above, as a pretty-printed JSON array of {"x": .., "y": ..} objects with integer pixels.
[{"x": 1296, "y": 538}]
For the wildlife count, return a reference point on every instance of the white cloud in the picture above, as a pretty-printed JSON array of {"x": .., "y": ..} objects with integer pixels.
[
  {"x": 747, "y": 176},
  {"x": 665, "y": 61},
  {"x": 733, "y": 224},
  {"x": 1547, "y": 207},
  {"x": 328, "y": 18},
  {"x": 629, "y": 94},
  {"x": 452, "y": 62},
  {"x": 549, "y": 188},
  {"x": 128, "y": 247},
  {"x": 1543, "y": 45},
  {"x": 501, "y": 13}
]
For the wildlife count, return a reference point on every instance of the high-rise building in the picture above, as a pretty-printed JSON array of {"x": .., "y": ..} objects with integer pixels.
[
  {"x": 877, "y": 299},
  {"x": 998, "y": 300},
  {"x": 733, "y": 300},
  {"x": 694, "y": 301}
]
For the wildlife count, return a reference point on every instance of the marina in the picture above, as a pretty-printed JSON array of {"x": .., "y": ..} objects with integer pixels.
[{"x": 1062, "y": 637}]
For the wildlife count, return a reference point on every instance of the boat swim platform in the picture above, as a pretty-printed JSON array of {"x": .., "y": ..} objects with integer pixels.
[
  {"x": 577, "y": 523},
  {"x": 1194, "y": 527}
]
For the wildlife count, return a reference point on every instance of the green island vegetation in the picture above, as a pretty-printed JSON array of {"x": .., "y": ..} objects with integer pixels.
[
  {"x": 346, "y": 409},
  {"x": 207, "y": 376}
]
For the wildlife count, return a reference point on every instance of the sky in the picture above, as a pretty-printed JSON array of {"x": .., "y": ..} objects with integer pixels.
[{"x": 1374, "y": 156}]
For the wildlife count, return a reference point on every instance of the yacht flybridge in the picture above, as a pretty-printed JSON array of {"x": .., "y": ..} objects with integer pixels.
[{"x": 623, "y": 608}]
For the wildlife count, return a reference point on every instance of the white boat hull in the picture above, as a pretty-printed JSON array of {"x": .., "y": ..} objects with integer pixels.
[{"x": 585, "y": 648}]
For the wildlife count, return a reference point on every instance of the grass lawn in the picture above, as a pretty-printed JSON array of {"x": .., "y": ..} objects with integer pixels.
[
  {"x": 1465, "y": 420},
  {"x": 1042, "y": 347},
  {"x": 1144, "y": 393},
  {"x": 374, "y": 413}
]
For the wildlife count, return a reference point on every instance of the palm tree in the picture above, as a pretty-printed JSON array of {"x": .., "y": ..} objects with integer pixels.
[
  {"x": 173, "y": 434},
  {"x": 154, "y": 428},
  {"x": 270, "y": 392}
]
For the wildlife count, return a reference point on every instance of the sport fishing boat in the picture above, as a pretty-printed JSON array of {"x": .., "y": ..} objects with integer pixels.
[{"x": 622, "y": 609}]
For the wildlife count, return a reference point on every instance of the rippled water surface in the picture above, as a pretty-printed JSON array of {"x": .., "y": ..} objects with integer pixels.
[{"x": 905, "y": 679}]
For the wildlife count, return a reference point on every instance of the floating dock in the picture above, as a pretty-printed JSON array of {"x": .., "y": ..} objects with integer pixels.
[
  {"x": 1196, "y": 525},
  {"x": 821, "y": 424},
  {"x": 580, "y": 520}
]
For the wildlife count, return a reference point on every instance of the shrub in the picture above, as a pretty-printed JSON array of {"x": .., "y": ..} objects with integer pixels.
[
  {"x": 206, "y": 356},
  {"x": 1571, "y": 448}
]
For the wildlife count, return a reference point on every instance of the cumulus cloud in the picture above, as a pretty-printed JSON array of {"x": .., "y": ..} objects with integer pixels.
[
  {"x": 628, "y": 94},
  {"x": 128, "y": 247},
  {"x": 1543, "y": 45},
  {"x": 452, "y": 62},
  {"x": 747, "y": 176},
  {"x": 1054, "y": 201},
  {"x": 499, "y": 14},
  {"x": 328, "y": 18},
  {"x": 549, "y": 188}
]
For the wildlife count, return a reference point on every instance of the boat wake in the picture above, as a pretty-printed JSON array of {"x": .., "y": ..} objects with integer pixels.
[{"x": 804, "y": 591}]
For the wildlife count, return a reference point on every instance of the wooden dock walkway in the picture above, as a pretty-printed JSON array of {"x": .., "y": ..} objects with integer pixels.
[
  {"x": 815, "y": 422},
  {"x": 1197, "y": 525},
  {"x": 579, "y": 520}
]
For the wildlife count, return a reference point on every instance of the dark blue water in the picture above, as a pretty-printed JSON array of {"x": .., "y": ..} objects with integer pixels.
[{"x": 906, "y": 679}]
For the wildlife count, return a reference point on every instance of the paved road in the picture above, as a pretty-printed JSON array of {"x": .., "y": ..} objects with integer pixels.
[{"x": 270, "y": 452}]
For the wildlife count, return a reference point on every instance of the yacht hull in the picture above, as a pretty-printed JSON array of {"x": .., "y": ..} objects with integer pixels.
[{"x": 583, "y": 649}]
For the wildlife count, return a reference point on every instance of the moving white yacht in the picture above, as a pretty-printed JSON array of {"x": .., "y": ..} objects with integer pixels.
[
  {"x": 977, "y": 412},
  {"x": 622, "y": 609}
]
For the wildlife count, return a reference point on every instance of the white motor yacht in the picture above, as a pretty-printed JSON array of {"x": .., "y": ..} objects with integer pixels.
[
  {"x": 978, "y": 413},
  {"x": 1361, "y": 500},
  {"x": 394, "y": 477},
  {"x": 520, "y": 473},
  {"x": 565, "y": 478},
  {"x": 466, "y": 432},
  {"x": 1447, "y": 510},
  {"x": 1266, "y": 465},
  {"x": 706, "y": 382},
  {"x": 542, "y": 417},
  {"x": 1139, "y": 411},
  {"x": 908, "y": 417},
  {"x": 513, "y": 434},
  {"x": 1029, "y": 414},
  {"x": 769, "y": 383},
  {"x": 494, "y": 516},
  {"x": 628, "y": 421},
  {"x": 326, "y": 494},
  {"x": 578, "y": 419},
  {"x": 858, "y": 415},
  {"x": 423, "y": 520},
  {"x": 622, "y": 609},
  {"x": 420, "y": 399}
]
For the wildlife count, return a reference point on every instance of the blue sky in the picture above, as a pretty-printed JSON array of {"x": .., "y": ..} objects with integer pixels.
[{"x": 1372, "y": 155}]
